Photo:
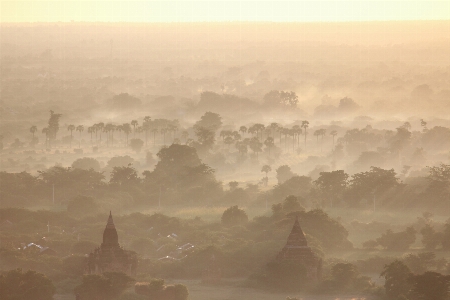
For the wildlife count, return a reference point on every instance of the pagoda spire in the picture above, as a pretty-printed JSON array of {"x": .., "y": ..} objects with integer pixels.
[{"x": 110, "y": 223}]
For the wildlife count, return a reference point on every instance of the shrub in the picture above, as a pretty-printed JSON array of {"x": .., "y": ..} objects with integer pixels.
[
  {"x": 234, "y": 216},
  {"x": 86, "y": 163}
]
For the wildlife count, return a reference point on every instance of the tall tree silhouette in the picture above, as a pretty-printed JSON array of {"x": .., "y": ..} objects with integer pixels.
[
  {"x": 126, "y": 128},
  {"x": 297, "y": 131},
  {"x": 255, "y": 145},
  {"x": 71, "y": 128},
  {"x": 333, "y": 133},
  {"x": 305, "y": 125},
  {"x": 80, "y": 128},
  {"x": 269, "y": 143},
  {"x": 243, "y": 129},
  {"x": 155, "y": 131},
  {"x": 33, "y": 129},
  {"x": 45, "y": 131},
  {"x": 134, "y": 123},
  {"x": 146, "y": 125},
  {"x": 322, "y": 133},
  {"x": 91, "y": 130},
  {"x": 109, "y": 128},
  {"x": 53, "y": 126},
  {"x": 100, "y": 126}
]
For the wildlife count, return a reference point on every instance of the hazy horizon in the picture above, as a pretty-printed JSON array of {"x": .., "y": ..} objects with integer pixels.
[{"x": 193, "y": 11}]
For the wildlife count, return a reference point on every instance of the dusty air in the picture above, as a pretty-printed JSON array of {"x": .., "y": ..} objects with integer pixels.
[{"x": 235, "y": 160}]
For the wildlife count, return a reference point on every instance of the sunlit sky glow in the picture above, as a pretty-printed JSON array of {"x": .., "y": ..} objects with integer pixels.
[{"x": 220, "y": 11}]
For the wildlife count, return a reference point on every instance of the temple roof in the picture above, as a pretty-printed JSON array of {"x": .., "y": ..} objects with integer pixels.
[
  {"x": 296, "y": 237},
  {"x": 297, "y": 248}
]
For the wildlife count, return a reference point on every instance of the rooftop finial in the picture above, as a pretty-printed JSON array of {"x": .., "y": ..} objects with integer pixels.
[{"x": 110, "y": 223}]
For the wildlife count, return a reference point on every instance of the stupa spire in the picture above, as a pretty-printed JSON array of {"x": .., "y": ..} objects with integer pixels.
[
  {"x": 110, "y": 223},
  {"x": 110, "y": 237}
]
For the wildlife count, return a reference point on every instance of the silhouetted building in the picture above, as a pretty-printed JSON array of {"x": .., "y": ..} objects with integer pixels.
[
  {"x": 297, "y": 250},
  {"x": 110, "y": 257}
]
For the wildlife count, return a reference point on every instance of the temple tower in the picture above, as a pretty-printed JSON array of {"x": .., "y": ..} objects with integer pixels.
[
  {"x": 110, "y": 257},
  {"x": 297, "y": 250}
]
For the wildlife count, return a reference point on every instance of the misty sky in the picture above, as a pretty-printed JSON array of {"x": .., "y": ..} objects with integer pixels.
[{"x": 209, "y": 11}]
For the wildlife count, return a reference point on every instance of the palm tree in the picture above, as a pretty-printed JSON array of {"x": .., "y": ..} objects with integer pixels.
[
  {"x": 268, "y": 131},
  {"x": 236, "y": 135},
  {"x": 285, "y": 131},
  {"x": 108, "y": 128},
  {"x": 305, "y": 125},
  {"x": 100, "y": 127},
  {"x": 252, "y": 130},
  {"x": 113, "y": 128},
  {"x": 80, "y": 128},
  {"x": 95, "y": 129},
  {"x": 243, "y": 129},
  {"x": 280, "y": 131},
  {"x": 155, "y": 131},
  {"x": 317, "y": 134},
  {"x": 139, "y": 130},
  {"x": 259, "y": 128},
  {"x": 274, "y": 128},
  {"x": 91, "y": 130},
  {"x": 292, "y": 133},
  {"x": 266, "y": 169},
  {"x": 322, "y": 133},
  {"x": 146, "y": 125},
  {"x": 223, "y": 134},
  {"x": 134, "y": 123},
  {"x": 173, "y": 127},
  {"x": 126, "y": 128},
  {"x": 297, "y": 130},
  {"x": 255, "y": 145},
  {"x": 71, "y": 128},
  {"x": 333, "y": 133},
  {"x": 118, "y": 128},
  {"x": 33, "y": 129},
  {"x": 269, "y": 142},
  {"x": 424, "y": 125},
  {"x": 163, "y": 132},
  {"x": 45, "y": 131}
]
